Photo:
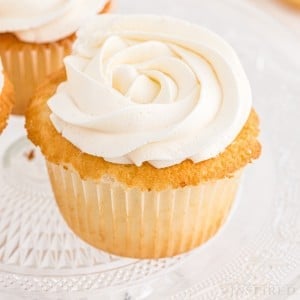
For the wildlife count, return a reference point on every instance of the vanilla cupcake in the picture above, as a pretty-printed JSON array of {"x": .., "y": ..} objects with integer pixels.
[
  {"x": 146, "y": 133},
  {"x": 36, "y": 35},
  {"x": 6, "y": 98}
]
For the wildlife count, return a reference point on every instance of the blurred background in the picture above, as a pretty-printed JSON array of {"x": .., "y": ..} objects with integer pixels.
[
  {"x": 286, "y": 11},
  {"x": 262, "y": 241}
]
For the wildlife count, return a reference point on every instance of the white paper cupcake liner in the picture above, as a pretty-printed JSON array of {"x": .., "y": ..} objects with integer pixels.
[{"x": 142, "y": 224}]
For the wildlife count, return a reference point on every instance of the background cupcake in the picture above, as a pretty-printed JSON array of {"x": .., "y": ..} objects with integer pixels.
[
  {"x": 147, "y": 135},
  {"x": 35, "y": 36},
  {"x": 6, "y": 98}
]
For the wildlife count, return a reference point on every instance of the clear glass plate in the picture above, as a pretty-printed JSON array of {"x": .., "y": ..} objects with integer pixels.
[{"x": 256, "y": 255}]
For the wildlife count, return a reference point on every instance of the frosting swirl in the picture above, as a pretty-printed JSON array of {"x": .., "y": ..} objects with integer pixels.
[
  {"x": 151, "y": 89},
  {"x": 47, "y": 20}
]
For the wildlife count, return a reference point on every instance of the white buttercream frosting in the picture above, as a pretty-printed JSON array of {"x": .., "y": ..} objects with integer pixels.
[
  {"x": 44, "y": 21},
  {"x": 151, "y": 89}
]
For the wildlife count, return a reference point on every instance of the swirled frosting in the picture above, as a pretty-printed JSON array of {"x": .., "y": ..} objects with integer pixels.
[
  {"x": 46, "y": 20},
  {"x": 151, "y": 89}
]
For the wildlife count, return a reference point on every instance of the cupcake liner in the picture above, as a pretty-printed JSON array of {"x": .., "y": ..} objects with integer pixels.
[
  {"x": 141, "y": 224},
  {"x": 27, "y": 65}
]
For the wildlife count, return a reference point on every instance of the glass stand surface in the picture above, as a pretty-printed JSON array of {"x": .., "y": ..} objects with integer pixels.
[{"x": 39, "y": 255}]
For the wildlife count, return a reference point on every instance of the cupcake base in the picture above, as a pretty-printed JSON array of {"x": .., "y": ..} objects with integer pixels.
[{"x": 141, "y": 224}]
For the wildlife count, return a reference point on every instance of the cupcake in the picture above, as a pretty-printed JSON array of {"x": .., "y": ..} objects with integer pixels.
[
  {"x": 6, "y": 98},
  {"x": 36, "y": 35},
  {"x": 146, "y": 132}
]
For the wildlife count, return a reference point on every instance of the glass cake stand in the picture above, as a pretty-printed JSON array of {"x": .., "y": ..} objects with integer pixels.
[{"x": 256, "y": 255}]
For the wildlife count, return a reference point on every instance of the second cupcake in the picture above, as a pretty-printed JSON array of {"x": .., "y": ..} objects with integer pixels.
[{"x": 36, "y": 35}]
